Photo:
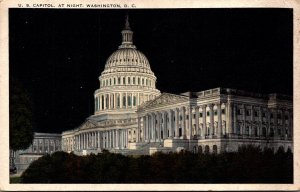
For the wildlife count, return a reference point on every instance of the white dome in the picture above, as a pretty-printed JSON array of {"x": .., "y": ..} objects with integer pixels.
[
  {"x": 127, "y": 80},
  {"x": 127, "y": 60}
]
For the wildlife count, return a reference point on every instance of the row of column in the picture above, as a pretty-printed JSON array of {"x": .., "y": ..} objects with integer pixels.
[
  {"x": 167, "y": 124},
  {"x": 115, "y": 138},
  {"x": 131, "y": 81},
  {"x": 269, "y": 127},
  {"x": 51, "y": 144},
  {"x": 120, "y": 100}
]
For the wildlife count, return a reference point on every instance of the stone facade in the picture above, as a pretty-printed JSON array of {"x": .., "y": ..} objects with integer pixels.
[
  {"x": 43, "y": 143},
  {"x": 133, "y": 117}
]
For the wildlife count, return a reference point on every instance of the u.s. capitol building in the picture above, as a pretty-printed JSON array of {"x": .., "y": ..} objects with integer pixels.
[{"x": 133, "y": 117}]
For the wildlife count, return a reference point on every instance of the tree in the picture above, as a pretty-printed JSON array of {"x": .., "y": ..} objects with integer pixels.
[{"x": 20, "y": 117}]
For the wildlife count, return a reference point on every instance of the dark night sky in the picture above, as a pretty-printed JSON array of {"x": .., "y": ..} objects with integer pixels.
[{"x": 59, "y": 54}]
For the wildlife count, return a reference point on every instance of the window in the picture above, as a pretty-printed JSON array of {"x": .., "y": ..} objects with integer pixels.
[
  {"x": 114, "y": 81},
  {"x": 133, "y": 80},
  {"x": 248, "y": 112},
  {"x": 240, "y": 112},
  {"x": 119, "y": 80},
  {"x": 109, "y": 81},
  {"x": 142, "y": 81},
  {"x": 194, "y": 116},
  {"x": 129, "y": 100},
  {"x": 264, "y": 114},
  {"x": 138, "y": 80},
  {"x": 134, "y": 100},
  {"x": 286, "y": 117},
  {"x": 187, "y": 116},
  {"x": 124, "y": 100},
  {"x": 223, "y": 111},
  {"x": 102, "y": 101},
  {"x": 124, "y": 81},
  {"x": 271, "y": 115},
  {"x": 200, "y": 114},
  {"x": 129, "y": 80},
  {"x": 279, "y": 116},
  {"x": 216, "y": 112},
  {"x": 207, "y": 113}
]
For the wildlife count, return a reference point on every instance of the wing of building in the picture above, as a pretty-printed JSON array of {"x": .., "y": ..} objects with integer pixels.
[{"x": 132, "y": 117}]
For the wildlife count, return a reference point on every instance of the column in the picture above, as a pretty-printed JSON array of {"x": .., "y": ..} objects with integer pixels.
[
  {"x": 219, "y": 120},
  {"x": 183, "y": 122},
  {"x": 176, "y": 123},
  {"x": 138, "y": 130},
  {"x": 165, "y": 124},
  {"x": 126, "y": 138},
  {"x": 190, "y": 135},
  {"x": 121, "y": 138},
  {"x": 212, "y": 123},
  {"x": 244, "y": 120},
  {"x": 153, "y": 127},
  {"x": 229, "y": 118},
  {"x": 158, "y": 127},
  {"x": 234, "y": 119},
  {"x": 104, "y": 101},
  {"x": 204, "y": 120},
  {"x": 84, "y": 140},
  {"x": 260, "y": 119},
  {"x": 117, "y": 138},
  {"x": 100, "y": 102},
  {"x": 48, "y": 146},
  {"x": 252, "y": 121},
  {"x": 144, "y": 128},
  {"x": 169, "y": 125},
  {"x": 103, "y": 139},
  {"x": 197, "y": 121}
]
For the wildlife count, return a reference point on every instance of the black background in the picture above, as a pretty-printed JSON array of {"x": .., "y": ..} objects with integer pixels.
[{"x": 58, "y": 54}]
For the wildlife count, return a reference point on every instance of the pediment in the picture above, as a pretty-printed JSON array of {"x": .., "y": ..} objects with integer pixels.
[
  {"x": 163, "y": 100},
  {"x": 88, "y": 124}
]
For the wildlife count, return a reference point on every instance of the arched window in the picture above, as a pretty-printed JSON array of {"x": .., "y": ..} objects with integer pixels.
[
  {"x": 142, "y": 81},
  {"x": 128, "y": 80},
  {"x": 146, "y": 81},
  {"x": 206, "y": 149},
  {"x": 215, "y": 149},
  {"x": 124, "y": 81},
  {"x": 200, "y": 151},
  {"x": 106, "y": 84},
  {"x": 138, "y": 80},
  {"x": 119, "y": 80},
  {"x": 133, "y": 80},
  {"x": 134, "y": 100},
  {"x": 114, "y": 81},
  {"x": 109, "y": 81}
]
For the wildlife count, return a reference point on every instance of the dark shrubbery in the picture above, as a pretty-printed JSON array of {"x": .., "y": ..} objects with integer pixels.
[{"x": 248, "y": 165}]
